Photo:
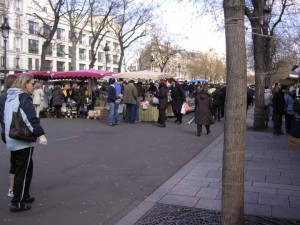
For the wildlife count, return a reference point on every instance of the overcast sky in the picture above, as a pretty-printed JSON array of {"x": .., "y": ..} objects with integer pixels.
[{"x": 198, "y": 33}]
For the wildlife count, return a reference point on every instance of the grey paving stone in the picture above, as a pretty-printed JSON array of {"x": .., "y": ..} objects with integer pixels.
[
  {"x": 250, "y": 197},
  {"x": 288, "y": 192},
  {"x": 215, "y": 185},
  {"x": 207, "y": 203},
  {"x": 179, "y": 200},
  {"x": 255, "y": 209},
  {"x": 284, "y": 165},
  {"x": 261, "y": 189},
  {"x": 279, "y": 186},
  {"x": 273, "y": 199},
  {"x": 198, "y": 172},
  {"x": 255, "y": 177},
  {"x": 296, "y": 181},
  {"x": 258, "y": 169},
  {"x": 295, "y": 202},
  {"x": 214, "y": 174},
  {"x": 285, "y": 212},
  {"x": 202, "y": 179},
  {"x": 278, "y": 179},
  {"x": 187, "y": 190},
  {"x": 208, "y": 192}
]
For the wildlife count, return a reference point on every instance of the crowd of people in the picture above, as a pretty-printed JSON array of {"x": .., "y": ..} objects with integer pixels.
[{"x": 27, "y": 95}]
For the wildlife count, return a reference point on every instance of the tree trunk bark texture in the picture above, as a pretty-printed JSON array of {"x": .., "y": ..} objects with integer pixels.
[
  {"x": 260, "y": 74},
  {"x": 235, "y": 115}
]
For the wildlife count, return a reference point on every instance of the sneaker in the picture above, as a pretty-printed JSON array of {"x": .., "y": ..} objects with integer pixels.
[
  {"x": 10, "y": 193},
  {"x": 19, "y": 207},
  {"x": 29, "y": 200}
]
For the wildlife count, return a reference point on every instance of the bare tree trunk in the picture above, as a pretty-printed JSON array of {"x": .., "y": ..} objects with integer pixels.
[
  {"x": 73, "y": 54},
  {"x": 43, "y": 57},
  {"x": 259, "y": 52},
  {"x": 235, "y": 116},
  {"x": 121, "y": 59}
]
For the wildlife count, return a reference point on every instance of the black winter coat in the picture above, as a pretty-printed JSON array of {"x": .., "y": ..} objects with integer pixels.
[
  {"x": 178, "y": 97},
  {"x": 162, "y": 96},
  {"x": 278, "y": 103}
]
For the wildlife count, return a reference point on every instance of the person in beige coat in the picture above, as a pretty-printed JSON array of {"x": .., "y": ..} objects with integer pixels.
[
  {"x": 129, "y": 98},
  {"x": 38, "y": 95}
]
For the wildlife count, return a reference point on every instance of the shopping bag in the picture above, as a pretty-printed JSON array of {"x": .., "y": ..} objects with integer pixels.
[
  {"x": 182, "y": 111},
  {"x": 155, "y": 101},
  {"x": 187, "y": 107}
]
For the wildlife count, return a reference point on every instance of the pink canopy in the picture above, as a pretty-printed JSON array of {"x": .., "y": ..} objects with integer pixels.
[
  {"x": 91, "y": 73},
  {"x": 38, "y": 74}
]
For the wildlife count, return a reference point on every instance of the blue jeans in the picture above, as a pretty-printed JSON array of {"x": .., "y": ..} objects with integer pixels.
[
  {"x": 116, "y": 115},
  {"x": 137, "y": 110},
  {"x": 111, "y": 113}
]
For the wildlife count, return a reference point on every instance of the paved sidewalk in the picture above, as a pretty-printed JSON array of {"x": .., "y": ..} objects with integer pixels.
[{"x": 272, "y": 179}]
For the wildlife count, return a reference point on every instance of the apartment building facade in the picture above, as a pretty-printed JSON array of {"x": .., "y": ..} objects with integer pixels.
[{"x": 24, "y": 46}]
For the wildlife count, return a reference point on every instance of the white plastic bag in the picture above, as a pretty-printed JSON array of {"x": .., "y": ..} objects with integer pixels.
[
  {"x": 182, "y": 110},
  {"x": 155, "y": 101}
]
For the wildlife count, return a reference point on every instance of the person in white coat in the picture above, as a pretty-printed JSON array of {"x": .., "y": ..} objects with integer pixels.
[{"x": 38, "y": 95}]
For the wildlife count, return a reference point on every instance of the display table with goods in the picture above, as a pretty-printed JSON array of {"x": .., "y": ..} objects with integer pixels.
[
  {"x": 148, "y": 112},
  {"x": 69, "y": 110}
]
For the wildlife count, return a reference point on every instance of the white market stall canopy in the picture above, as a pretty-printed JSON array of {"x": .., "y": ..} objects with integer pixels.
[{"x": 145, "y": 74}]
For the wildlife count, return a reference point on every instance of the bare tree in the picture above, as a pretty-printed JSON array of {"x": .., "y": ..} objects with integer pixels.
[
  {"x": 100, "y": 20},
  {"x": 235, "y": 116},
  {"x": 77, "y": 15},
  {"x": 130, "y": 24},
  {"x": 49, "y": 28}
]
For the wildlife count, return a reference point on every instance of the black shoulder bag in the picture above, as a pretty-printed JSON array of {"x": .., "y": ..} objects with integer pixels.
[{"x": 18, "y": 129}]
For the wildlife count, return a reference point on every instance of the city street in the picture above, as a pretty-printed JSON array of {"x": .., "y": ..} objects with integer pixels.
[{"x": 90, "y": 173}]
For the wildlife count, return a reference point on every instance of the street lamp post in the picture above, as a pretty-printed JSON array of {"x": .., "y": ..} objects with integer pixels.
[
  {"x": 106, "y": 50},
  {"x": 152, "y": 60},
  {"x": 179, "y": 67},
  {"x": 5, "y": 32}
]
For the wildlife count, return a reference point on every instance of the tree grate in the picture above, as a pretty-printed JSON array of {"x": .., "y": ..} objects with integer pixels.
[{"x": 164, "y": 214}]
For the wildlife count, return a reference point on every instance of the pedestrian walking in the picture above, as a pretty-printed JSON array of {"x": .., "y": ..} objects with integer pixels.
[
  {"x": 278, "y": 109},
  {"x": 162, "y": 96},
  {"x": 289, "y": 109},
  {"x": 203, "y": 111},
  {"x": 38, "y": 96},
  {"x": 178, "y": 98}
]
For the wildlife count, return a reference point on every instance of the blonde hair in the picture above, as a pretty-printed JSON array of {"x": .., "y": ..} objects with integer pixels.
[
  {"x": 37, "y": 85},
  {"x": 22, "y": 80}
]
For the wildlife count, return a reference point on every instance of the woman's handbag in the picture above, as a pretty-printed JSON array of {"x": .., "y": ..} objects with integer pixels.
[{"x": 19, "y": 130}]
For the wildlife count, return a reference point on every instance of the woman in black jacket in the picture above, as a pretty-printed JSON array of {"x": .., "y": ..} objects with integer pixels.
[{"x": 162, "y": 96}]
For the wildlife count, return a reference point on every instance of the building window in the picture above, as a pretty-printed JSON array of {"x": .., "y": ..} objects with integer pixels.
[
  {"x": 33, "y": 27},
  {"x": 81, "y": 66},
  {"x": 37, "y": 64},
  {"x": 60, "y": 33},
  {"x": 18, "y": 22},
  {"x": 49, "y": 50},
  {"x": 100, "y": 67},
  {"x": 116, "y": 47},
  {"x": 90, "y": 55},
  {"x": 100, "y": 56},
  {"x": 29, "y": 63},
  {"x": 2, "y": 61},
  {"x": 60, "y": 51},
  {"x": 90, "y": 40},
  {"x": 33, "y": 46},
  {"x": 115, "y": 70},
  {"x": 70, "y": 52},
  {"x": 47, "y": 29},
  {"x": 48, "y": 65},
  {"x": 82, "y": 54},
  {"x": 82, "y": 39},
  {"x": 70, "y": 66},
  {"x": 60, "y": 66},
  {"x": 115, "y": 59}
]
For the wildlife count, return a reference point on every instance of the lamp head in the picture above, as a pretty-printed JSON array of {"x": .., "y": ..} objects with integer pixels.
[{"x": 5, "y": 28}]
